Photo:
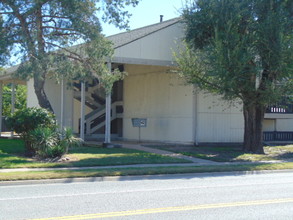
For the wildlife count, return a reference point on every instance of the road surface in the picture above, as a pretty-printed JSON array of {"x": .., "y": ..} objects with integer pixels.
[{"x": 193, "y": 196}]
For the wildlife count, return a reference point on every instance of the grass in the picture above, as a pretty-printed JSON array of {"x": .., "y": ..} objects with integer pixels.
[
  {"x": 57, "y": 174},
  {"x": 231, "y": 153},
  {"x": 11, "y": 156}
]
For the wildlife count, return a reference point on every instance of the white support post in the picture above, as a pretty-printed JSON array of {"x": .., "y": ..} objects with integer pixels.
[
  {"x": 62, "y": 105},
  {"x": 12, "y": 102},
  {"x": 82, "y": 110},
  {"x": 1, "y": 105},
  {"x": 108, "y": 114}
]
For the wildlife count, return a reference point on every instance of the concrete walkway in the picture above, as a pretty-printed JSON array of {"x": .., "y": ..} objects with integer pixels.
[{"x": 169, "y": 154}]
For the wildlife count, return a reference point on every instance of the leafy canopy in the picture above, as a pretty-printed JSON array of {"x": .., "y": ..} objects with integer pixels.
[
  {"x": 61, "y": 37},
  {"x": 20, "y": 98},
  {"x": 240, "y": 48}
]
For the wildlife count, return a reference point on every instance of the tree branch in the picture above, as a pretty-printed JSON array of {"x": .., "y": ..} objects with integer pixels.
[
  {"x": 59, "y": 34},
  {"x": 62, "y": 48},
  {"x": 6, "y": 13},
  {"x": 69, "y": 56},
  {"x": 57, "y": 28},
  {"x": 24, "y": 26},
  {"x": 55, "y": 16}
]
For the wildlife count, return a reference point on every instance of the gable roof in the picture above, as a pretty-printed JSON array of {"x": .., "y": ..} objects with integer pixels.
[
  {"x": 118, "y": 40},
  {"x": 127, "y": 37}
]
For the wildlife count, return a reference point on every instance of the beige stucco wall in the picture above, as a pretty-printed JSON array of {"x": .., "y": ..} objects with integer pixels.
[
  {"x": 156, "y": 46},
  {"x": 150, "y": 92},
  {"x": 218, "y": 120},
  {"x": 284, "y": 124},
  {"x": 269, "y": 125},
  {"x": 53, "y": 92},
  {"x": 32, "y": 100}
]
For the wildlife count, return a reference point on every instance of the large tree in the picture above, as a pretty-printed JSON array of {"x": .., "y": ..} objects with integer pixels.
[
  {"x": 241, "y": 50},
  {"x": 43, "y": 34}
]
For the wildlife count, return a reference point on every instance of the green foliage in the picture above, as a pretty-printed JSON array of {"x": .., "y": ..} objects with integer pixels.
[
  {"x": 26, "y": 120},
  {"x": 44, "y": 141},
  {"x": 241, "y": 50},
  {"x": 50, "y": 143},
  {"x": 20, "y": 98},
  {"x": 68, "y": 140},
  {"x": 44, "y": 34},
  {"x": 90, "y": 63},
  {"x": 38, "y": 128}
]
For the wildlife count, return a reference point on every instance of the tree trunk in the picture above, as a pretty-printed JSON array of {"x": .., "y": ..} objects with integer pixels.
[
  {"x": 253, "y": 130},
  {"x": 40, "y": 74},
  {"x": 29, "y": 150},
  {"x": 39, "y": 83}
]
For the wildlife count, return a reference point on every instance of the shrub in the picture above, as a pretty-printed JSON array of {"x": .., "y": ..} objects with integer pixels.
[
  {"x": 68, "y": 140},
  {"x": 26, "y": 120},
  {"x": 43, "y": 140},
  {"x": 38, "y": 129},
  {"x": 50, "y": 143}
]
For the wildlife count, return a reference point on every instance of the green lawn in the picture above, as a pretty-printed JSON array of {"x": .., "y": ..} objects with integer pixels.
[
  {"x": 11, "y": 156},
  {"x": 11, "y": 152},
  {"x": 231, "y": 153}
]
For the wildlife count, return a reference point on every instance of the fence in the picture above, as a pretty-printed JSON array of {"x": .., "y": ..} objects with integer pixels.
[{"x": 278, "y": 136}]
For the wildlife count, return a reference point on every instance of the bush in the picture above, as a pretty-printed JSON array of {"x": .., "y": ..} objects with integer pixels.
[
  {"x": 38, "y": 129},
  {"x": 26, "y": 120},
  {"x": 68, "y": 140},
  {"x": 43, "y": 140},
  {"x": 50, "y": 143}
]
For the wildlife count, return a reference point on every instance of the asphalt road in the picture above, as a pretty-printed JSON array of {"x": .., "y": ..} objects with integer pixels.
[{"x": 195, "y": 196}]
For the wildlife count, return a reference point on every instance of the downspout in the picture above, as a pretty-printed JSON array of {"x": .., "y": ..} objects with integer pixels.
[{"x": 195, "y": 116}]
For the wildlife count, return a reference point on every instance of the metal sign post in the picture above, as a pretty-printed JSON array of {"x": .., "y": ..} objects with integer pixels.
[{"x": 140, "y": 123}]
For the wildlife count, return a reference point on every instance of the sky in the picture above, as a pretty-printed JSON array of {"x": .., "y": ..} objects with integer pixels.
[{"x": 148, "y": 12}]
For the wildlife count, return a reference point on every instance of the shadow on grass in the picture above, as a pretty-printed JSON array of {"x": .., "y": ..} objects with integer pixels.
[
  {"x": 229, "y": 153},
  {"x": 11, "y": 161},
  {"x": 287, "y": 155},
  {"x": 89, "y": 156},
  {"x": 214, "y": 153},
  {"x": 100, "y": 150}
]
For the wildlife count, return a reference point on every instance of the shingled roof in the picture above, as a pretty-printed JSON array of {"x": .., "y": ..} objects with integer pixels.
[
  {"x": 121, "y": 39},
  {"x": 124, "y": 38}
]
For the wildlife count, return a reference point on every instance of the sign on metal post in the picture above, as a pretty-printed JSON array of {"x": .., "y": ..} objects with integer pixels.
[{"x": 140, "y": 123}]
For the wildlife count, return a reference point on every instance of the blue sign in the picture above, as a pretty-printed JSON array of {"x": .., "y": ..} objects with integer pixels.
[{"x": 139, "y": 122}]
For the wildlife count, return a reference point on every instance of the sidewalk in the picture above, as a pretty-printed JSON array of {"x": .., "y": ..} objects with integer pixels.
[{"x": 169, "y": 154}]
